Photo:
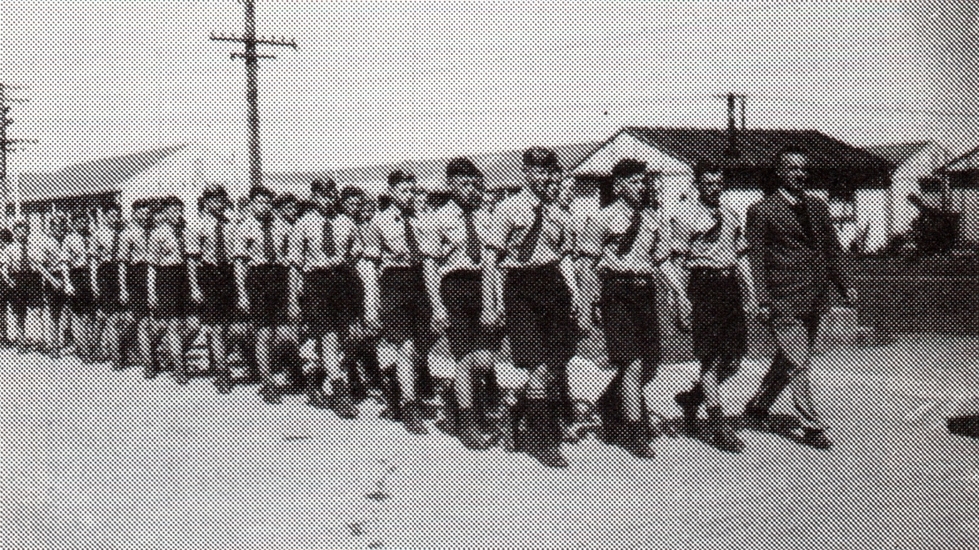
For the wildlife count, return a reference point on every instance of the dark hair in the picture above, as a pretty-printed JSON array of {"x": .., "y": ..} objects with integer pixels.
[
  {"x": 400, "y": 176},
  {"x": 112, "y": 206},
  {"x": 287, "y": 198},
  {"x": 350, "y": 192},
  {"x": 320, "y": 187},
  {"x": 462, "y": 167},
  {"x": 540, "y": 157},
  {"x": 627, "y": 168},
  {"x": 6, "y": 236},
  {"x": 171, "y": 201},
  {"x": 259, "y": 191}
]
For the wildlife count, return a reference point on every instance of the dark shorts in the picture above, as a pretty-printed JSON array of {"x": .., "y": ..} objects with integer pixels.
[
  {"x": 28, "y": 291},
  {"x": 718, "y": 319},
  {"x": 56, "y": 298},
  {"x": 82, "y": 302},
  {"x": 462, "y": 294},
  {"x": 268, "y": 295},
  {"x": 218, "y": 304},
  {"x": 406, "y": 312},
  {"x": 136, "y": 281},
  {"x": 539, "y": 324},
  {"x": 332, "y": 299},
  {"x": 630, "y": 321},
  {"x": 172, "y": 292},
  {"x": 107, "y": 277}
]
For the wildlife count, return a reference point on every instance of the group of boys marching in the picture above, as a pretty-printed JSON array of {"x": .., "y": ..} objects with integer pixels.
[{"x": 330, "y": 271}]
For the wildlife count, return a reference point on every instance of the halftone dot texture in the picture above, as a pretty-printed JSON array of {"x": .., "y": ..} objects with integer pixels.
[{"x": 133, "y": 101}]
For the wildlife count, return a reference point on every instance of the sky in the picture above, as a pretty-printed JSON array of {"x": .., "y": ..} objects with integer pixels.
[{"x": 379, "y": 82}]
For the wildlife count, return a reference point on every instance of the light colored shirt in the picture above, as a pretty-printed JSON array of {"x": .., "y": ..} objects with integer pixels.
[
  {"x": 708, "y": 237},
  {"x": 135, "y": 244},
  {"x": 165, "y": 248},
  {"x": 202, "y": 239},
  {"x": 76, "y": 250},
  {"x": 250, "y": 241},
  {"x": 609, "y": 227},
  {"x": 514, "y": 219},
  {"x": 445, "y": 238},
  {"x": 103, "y": 241},
  {"x": 391, "y": 232},
  {"x": 40, "y": 250},
  {"x": 310, "y": 251}
]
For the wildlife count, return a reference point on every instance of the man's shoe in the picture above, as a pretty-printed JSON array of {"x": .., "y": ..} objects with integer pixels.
[
  {"x": 342, "y": 401},
  {"x": 412, "y": 419},
  {"x": 816, "y": 439},
  {"x": 181, "y": 377},
  {"x": 636, "y": 439},
  {"x": 549, "y": 455},
  {"x": 271, "y": 394},
  {"x": 223, "y": 384},
  {"x": 967, "y": 426},
  {"x": 469, "y": 432},
  {"x": 720, "y": 434},
  {"x": 149, "y": 372},
  {"x": 317, "y": 398},
  {"x": 690, "y": 402}
]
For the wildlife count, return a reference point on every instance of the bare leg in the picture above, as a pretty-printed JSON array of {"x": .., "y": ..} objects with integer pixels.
[{"x": 264, "y": 337}]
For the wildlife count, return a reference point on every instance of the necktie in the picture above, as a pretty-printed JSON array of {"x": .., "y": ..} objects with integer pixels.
[
  {"x": 24, "y": 264},
  {"x": 472, "y": 240},
  {"x": 220, "y": 246},
  {"x": 146, "y": 245},
  {"x": 114, "y": 251},
  {"x": 411, "y": 240},
  {"x": 178, "y": 232},
  {"x": 629, "y": 237},
  {"x": 802, "y": 214},
  {"x": 714, "y": 233},
  {"x": 329, "y": 244},
  {"x": 268, "y": 247},
  {"x": 526, "y": 248}
]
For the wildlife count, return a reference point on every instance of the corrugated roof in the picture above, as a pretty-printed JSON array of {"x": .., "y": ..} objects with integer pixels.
[
  {"x": 969, "y": 162},
  {"x": 898, "y": 153},
  {"x": 757, "y": 148},
  {"x": 98, "y": 177},
  {"x": 502, "y": 169}
]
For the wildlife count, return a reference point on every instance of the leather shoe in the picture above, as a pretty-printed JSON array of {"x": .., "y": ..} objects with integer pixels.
[
  {"x": 412, "y": 418},
  {"x": 816, "y": 439},
  {"x": 223, "y": 384}
]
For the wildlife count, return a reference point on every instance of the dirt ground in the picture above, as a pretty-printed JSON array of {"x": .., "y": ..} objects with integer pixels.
[{"x": 96, "y": 459}]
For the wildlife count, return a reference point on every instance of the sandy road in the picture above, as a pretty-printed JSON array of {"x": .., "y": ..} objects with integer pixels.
[{"x": 96, "y": 459}]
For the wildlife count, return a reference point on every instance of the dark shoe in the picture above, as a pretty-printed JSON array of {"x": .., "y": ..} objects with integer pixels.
[
  {"x": 271, "y": 394},
  {"x": 342, "y": 402},
  {"x": 118, "y": 366},
  {"x": 816, "y": 439},
  {"x": 316, "y": 397},
  {"x": 967, "y": 426},
  {"x": 149, "y": 372},
  {"x": 720, "y": 434},
  {"x": 542, "y": 441},
  {"x": 181, "y": 377},
  {"x": 637, "y": 440},
  {"x": 223, "y": 384},
  {"x": 469, "y": 433},
  {"x": 690, "y": 402},
  {"x": 412, "y": 419},
  {"x": 392, "y": 399}
]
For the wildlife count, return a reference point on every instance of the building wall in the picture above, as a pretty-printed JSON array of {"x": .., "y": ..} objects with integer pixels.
[{"x": 966, "y": 202}]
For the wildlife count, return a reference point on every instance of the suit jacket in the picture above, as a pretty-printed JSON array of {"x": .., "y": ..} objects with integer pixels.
[{"x": 792, "y": 274}]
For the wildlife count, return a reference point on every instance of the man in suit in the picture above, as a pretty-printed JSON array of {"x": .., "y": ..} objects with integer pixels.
[{"x": 796, "y": 262}]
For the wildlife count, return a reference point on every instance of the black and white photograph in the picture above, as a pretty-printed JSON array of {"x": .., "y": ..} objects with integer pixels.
[{"x": 489, "y": 274}]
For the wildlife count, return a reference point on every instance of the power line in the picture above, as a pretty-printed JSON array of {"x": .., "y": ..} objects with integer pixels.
[{"x": 251, "y": 56}]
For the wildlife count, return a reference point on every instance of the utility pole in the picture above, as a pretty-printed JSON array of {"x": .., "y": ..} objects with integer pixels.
[
  {"x": 251, "y": 41},
  {"x": 5, "y": 142},
  {"x": 732, "y": 125}
]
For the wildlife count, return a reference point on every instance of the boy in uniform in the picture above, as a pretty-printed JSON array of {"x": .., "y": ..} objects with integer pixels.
[
  {"x": 629, "y": 245},
  {"x": 27, "y": 268},
  {"x": 133, "y": 294},
  {"x": 108, "y": 283},
  {"x": 169, "y": 286},
  {"x": 459, "y": 283},
  {"x": 212, "y": 278},
  {"x": 711, "y": 241},
  {"x": 530, "y": 238},
  {"x": 77, "y": 251},
  {"x": 262, "y": 281},
  {"x": 327, "y": 247},
  {"x": 405, "y": 310}
]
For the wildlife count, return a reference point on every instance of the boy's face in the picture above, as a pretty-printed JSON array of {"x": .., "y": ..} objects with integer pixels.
[
  {"x": 262, "y": 206},
  {"x": 112, "y": 217},
  {"x": 20, "y": 232},
  {"x": 406, "y": 195}
]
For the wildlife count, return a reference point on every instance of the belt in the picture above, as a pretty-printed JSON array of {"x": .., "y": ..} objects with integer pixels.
[
  {"x": 715, "y": 272},
  {"x": 634, "y": 278},
  {"x": 532, "y": 269}
]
